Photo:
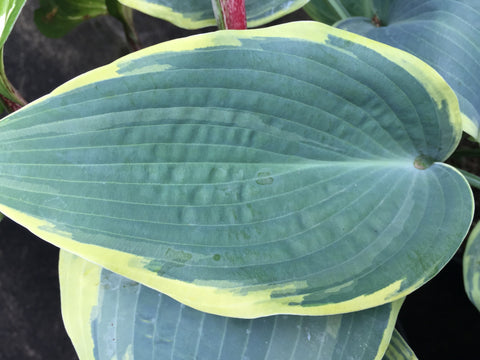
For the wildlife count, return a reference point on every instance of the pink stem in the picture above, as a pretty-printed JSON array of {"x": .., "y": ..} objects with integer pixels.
[{"x": 234, "y": 14}]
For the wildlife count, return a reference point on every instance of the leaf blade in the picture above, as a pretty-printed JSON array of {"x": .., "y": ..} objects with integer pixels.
[
  {"x": 57, "y": 18},
  {"x": 399, "y": 349},
  {"x": 471, "y": 267},
  {"x": 244, "y": 200},
  {"x": 123, "y": 318},
  {"x": 442, "y": 33}
]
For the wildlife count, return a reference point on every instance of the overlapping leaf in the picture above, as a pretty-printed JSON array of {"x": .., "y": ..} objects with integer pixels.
[
  {"x": 443, "y": 33},
  {"x": 294, "y": 169},
  {"x": 471, "y": 267},
  {"x": 398, "y": 349},
  {"x": 194, "y": 14},
  {"x": 331, "y": 11},
  {"x": 111, "y": 317}
]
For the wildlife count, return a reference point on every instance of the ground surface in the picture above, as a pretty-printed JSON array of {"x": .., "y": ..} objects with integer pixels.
[{"x": 438, "y": 320}]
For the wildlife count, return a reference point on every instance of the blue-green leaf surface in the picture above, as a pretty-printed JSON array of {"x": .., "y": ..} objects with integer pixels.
[
  {"x": 471, "y": 267},
  {"x": 443, "y": 33},
  {"x": 194, "y": 14},
  {"x": 294, "y": 169},
  {"x": 110, "y": 317}
]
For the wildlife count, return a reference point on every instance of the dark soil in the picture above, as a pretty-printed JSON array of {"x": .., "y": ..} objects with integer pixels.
[{"x": 438, "y": 320}]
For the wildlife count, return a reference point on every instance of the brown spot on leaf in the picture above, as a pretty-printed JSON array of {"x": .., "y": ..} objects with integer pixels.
[
  {"x": 50, "y": 15},
  {"x": 376, "y": 21}
]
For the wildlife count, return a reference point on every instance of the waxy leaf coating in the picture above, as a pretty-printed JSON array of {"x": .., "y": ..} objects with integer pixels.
[
  {"x": 294, "y": 169},
  {"x": 108, "y": 316}
]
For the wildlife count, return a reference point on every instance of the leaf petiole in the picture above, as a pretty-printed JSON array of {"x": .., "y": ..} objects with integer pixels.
[
  {"x": 472, "y": 179},
  {"x": 339, "y": 9}
]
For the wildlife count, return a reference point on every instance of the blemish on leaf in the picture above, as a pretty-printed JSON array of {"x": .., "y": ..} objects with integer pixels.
[
  {"x": 376, "y": 21},
  {"x": 264, "y": 178},
  {"x": 173, "y": 259},
  {"x": 423, "y": 162},
  {"x": 217, "y": 257},
  {"x": 50, "y": 15}
]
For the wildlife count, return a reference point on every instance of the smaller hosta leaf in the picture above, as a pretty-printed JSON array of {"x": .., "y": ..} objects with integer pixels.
[
  {"x": 55, "y": 18},
  {"x": 110, "y": 317},
  {"x": 443, "y": 33},
  {"x": 471, "y": 267},
  {"x": 195, "y": 14},
  {"x": 398, "y": 349}
]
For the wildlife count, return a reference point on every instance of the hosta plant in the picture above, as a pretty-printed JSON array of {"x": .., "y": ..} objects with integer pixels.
[{"x": 269, "y": 193}]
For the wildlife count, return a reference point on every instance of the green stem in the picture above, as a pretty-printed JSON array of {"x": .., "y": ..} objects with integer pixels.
[
  {"x": 472, "y": 179},
  {"x": 339, "y": 8},
  {"x": 10, "y": 98},
  {"x": 125, "y": 15},
  {"x": 217, "y": 10}
]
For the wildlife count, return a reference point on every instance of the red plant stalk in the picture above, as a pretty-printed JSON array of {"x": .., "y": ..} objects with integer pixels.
[
  {"x": 233, "y": 14},
  {"x": 11, "y": 105}
]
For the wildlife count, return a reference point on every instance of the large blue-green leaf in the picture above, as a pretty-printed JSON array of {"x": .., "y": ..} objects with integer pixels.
[
  {"x": 443, "y": 33},
  {"x": 471, "y": 267},
  {"x": 398, "y": 349},
  {"x": 9, "y": 11},
  {"x": 294, "y": 169},
  {"x": 110, "y": 317},
  {"x": 194, "y": 14}
]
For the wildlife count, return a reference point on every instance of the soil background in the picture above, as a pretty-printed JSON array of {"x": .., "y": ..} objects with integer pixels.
[{"x": 437, "y": 320}]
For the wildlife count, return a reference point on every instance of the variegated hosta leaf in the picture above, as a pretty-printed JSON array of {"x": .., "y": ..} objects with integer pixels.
[
  {"x": 55, "y": 18},
  {"x": 110, "y": 317},
  {"x": 195, "y": 14},
  {"x": 471, "y": 267},
  {"x": 294, "y": 169},
  {"x": 9, "y": 11},
  {"x": 398, "y": 349},
  {"x": 443, "y": 33},
  {"x": 331, "y": 11}
]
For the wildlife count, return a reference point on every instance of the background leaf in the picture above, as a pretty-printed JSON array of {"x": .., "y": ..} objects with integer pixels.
[
  {"x": 248, "y": 173},
  {"x": 398, "y": 349},
  {"x": 471, "y": 267},
  {"x": 109, "y": 316},
  {"x": 55, "y": 18},
  {"x": 195, "y": 14},
  {"x": 443, "y": 33},
  {"x": 331, "y": 11}
]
